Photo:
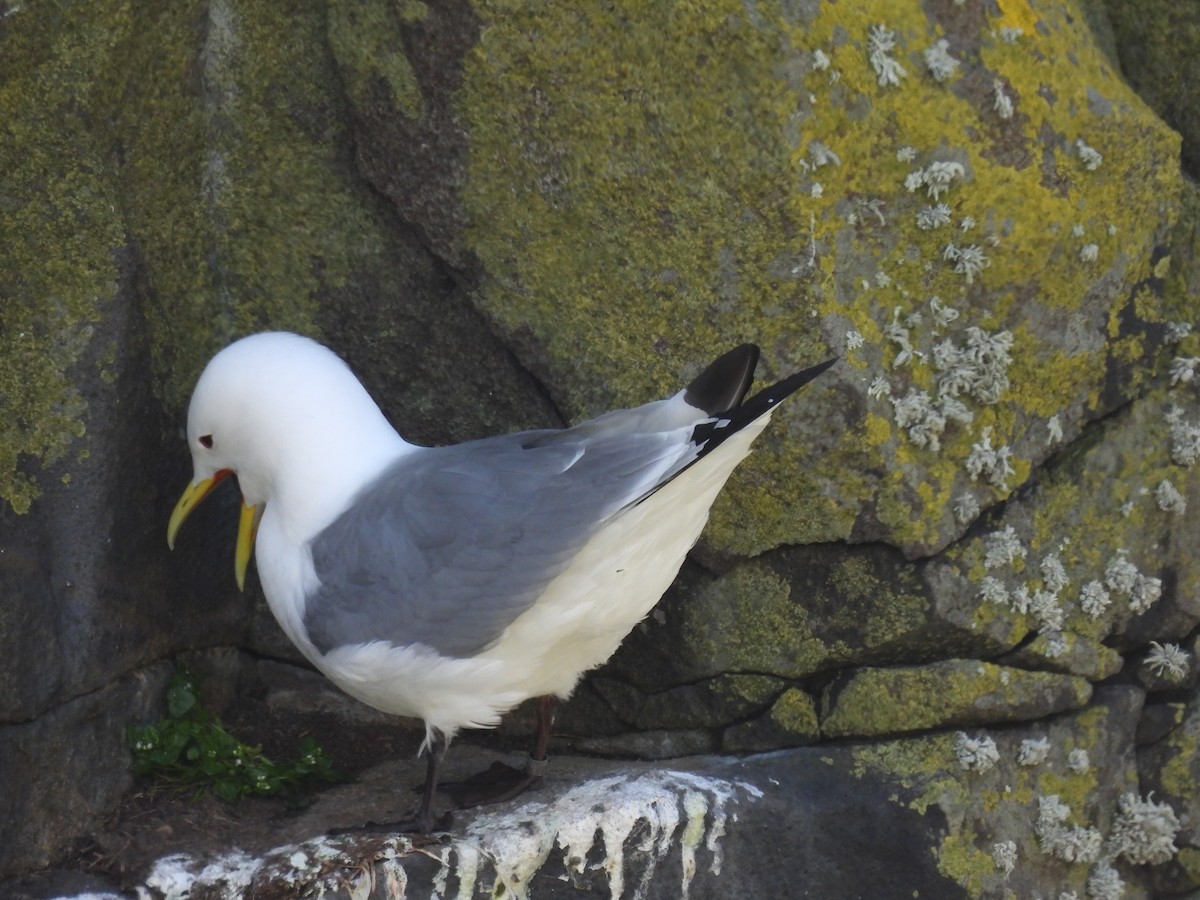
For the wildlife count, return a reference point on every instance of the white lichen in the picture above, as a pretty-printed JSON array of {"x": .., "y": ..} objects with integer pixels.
[
  {"x": 936, "y": 178},
  {"x": 1078, "y": 761},
  {"x": 881, "y": 41},
  {"x": 955, "y": 410},
  {"x": 967, "y": 223},
  {"x": 821, "y": 155},
  {"x": 1094, "y": 599},
  {"x": 1054, "y": 575},
  {"x": 968, "y": 261},
  {"x": 1089, "y": 253},
  {"x": 1143, "y": 831},
  {"x": 1070, "y": 844},
  {"x": 817, "y": 190},
  {"x": 864, "y": 207},
  {"x": 820, "y": 60},
  {"x": 1001, "y": 102},
  {"x": 1169, "y": 498},
  {"x": 1002, "y": 548},
  {"x": 1056, "y": 644},
  {"x": 1033, "y": 751},
  {"x": 1077, "y": 844},
  {"x": 1052, "y": 812},
  {"x": 992, "y": 590},
  {"x": 899, "y": 335},
  {"x": 979, "y": 368},
  {"x": 920, "y": 418},
  {"x": 1146, "y": 591},
  {"x": 1045, "y": 608},
  {"x": 1010, "y": 34},
  {"x": 1054, "y": 432},
  {"x": 1185, "y": 439},
  {"x": 854, "y": 340},
  {"x": 943, "y": 315},
  {"x": 1177, "y": 331},
  {"x": 1004, "y": 854},
  {"x": 1019, "y": 599},
  {"x": 935, "y": 216},
  {"x": 966, "y": 508},
  {"x": 1168, "y": 661},
  {"x": 906, "y": 154},
  {"x": 1183, "y": 369},
  {"x": 1120, "y": 575},
  {"x": 1090, "y": 158},
  {"x": 990, "y": 463},
  {"x": 1104, "y": 883},
  {"x": 938, "y": 61},
  {"x": 879, "y": 388},
  {"x": 975, "y": 754}
]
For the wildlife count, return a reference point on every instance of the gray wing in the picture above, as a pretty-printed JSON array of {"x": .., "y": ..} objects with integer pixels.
[{"x": 453, "y": 543}]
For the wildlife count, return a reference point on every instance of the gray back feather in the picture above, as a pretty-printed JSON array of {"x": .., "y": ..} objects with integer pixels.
[{"x": 451, "y": 544}]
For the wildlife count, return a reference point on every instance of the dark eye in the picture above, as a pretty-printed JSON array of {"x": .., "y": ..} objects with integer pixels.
[{"x": 206, "y": 441}]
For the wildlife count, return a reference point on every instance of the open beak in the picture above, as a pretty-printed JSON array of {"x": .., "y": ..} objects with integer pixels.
[{"x": 247, "y": 523}]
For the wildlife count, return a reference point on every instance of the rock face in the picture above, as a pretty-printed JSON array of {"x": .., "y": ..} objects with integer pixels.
[{"x": 966, "y": 557}]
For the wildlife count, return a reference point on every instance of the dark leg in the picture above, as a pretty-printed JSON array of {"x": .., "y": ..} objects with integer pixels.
[
  {"x": 424, "y": 823},
  {"x": 437, "y": 752},
  {"x": 546, "y": 706},
  {"x": 502, "y": 782}
]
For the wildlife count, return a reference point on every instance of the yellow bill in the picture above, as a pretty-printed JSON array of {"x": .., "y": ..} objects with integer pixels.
[
  {"x": 247, "y": 530},
  {"x": 247, "y": 523}
]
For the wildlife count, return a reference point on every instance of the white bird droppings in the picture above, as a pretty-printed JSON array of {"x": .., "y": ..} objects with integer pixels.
[
  {"x": 607, "y": 811},
  {"x": 590, "y": 824}
]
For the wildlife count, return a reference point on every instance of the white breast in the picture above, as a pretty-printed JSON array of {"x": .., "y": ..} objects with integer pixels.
[{"x": 577, "y": 623}]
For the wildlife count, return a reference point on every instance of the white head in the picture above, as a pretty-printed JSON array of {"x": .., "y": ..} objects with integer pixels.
[{"x": 288, "y": 417}]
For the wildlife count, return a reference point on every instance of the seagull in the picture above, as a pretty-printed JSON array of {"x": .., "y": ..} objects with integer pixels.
[{"x": 452, "y": 583}]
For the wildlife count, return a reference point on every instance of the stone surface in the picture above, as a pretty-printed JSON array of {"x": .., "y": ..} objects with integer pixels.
[
  {"x": 49, "y": 793},
  {"x": 871, "y": 702},
  {"x": 1155, "y": 42},
  {"x": 516, "y": 214}
]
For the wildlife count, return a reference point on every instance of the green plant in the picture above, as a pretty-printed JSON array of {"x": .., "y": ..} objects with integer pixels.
[{"x": 190, "y": 747}]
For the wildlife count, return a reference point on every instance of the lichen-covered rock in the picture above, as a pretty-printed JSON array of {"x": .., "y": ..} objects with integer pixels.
[
  {"x": 514, "y": 214},
  {"x": 791, "y": 721},
  {"x": 1156, "y": 41},
  {"x": 767, "y": 178},
  {"x": 797, "y": 611},
  {"x": 1084, "y": 764},
  {"x": 1095, "y": 551},
  {"x": 1073, "y": 654},
  {"x": 872, "y": 702},
  {"x": 1170, "y": 770}
]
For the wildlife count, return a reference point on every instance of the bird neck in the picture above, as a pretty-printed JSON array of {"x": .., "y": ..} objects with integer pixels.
[{"x": 311, "y": 488}]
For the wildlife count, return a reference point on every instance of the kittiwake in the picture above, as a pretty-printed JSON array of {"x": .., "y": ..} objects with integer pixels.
[{"x": 452, "y": 583}]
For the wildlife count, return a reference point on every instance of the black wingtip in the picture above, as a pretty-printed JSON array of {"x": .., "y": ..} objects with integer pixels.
[
  {"x": 712, "y": 434},
  {"x": 768, "y": 397},
  {"x": 793, "y": 383},
  {"x": 723, "y": 385}
]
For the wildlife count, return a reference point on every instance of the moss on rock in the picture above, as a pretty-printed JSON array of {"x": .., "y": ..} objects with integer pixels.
[
  {"x": 870, "y": 702},
  {"x": 706, "y": 167},
  {"x": 62, "y": 244},
  {"x": 748, "y": 621}
]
